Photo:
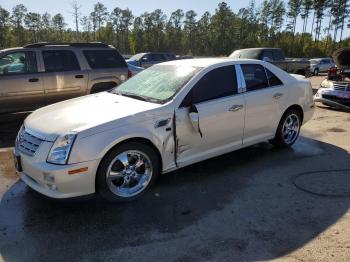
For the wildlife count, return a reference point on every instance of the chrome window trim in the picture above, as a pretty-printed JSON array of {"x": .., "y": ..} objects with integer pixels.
[
  {"x": 267, "y": 78},
  {"x": 242, "y": 87}
]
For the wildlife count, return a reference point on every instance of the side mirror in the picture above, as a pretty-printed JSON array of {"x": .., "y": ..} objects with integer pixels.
[
  {"x": 267, "y": 59},
  {"x": 194, "y": 117}
]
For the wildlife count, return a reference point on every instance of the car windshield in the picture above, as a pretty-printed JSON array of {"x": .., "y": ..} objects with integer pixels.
[
  {"x": 157, "y": 84},
  {"x": 136, "y": 57}
]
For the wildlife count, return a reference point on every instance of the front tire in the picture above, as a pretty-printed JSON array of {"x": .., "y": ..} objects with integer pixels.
[
  {"x": 127, "y": 171},
  {"x": 288, "y": 129},
  {"x": 316, "y": 72}
]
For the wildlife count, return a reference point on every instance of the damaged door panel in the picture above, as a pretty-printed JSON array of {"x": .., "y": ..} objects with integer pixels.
[{"x": 219, "y": 129}]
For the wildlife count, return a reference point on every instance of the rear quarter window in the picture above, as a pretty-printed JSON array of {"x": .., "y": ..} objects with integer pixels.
[
  {"x": 272, "y": 78},
  {"x": 254, "y": 76},
  {"x": 102, "y": 59}
]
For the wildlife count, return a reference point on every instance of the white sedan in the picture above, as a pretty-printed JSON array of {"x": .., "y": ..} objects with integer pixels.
[{"x": 166, "y": 117}]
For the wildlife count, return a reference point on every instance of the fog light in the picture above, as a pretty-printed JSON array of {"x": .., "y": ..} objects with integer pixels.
[
  {"x": 52, "y": 187},
  {"x": 49, "y": 178}
]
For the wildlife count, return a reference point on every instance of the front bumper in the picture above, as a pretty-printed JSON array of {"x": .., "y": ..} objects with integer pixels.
[
  {"x": 54, "y": 180},
  {"x": 335, "y": 98},
  {"x": 331, "y": 103}
]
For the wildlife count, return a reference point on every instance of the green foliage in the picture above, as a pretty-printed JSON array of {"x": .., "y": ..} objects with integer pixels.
[{"x": 272, "y": 24}]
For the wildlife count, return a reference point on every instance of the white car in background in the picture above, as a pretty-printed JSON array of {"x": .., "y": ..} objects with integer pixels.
[{"x": 169, "y": 116}]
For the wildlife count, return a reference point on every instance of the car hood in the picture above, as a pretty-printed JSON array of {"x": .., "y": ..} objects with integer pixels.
[
  {"x": 76, "y": 115},
  {"x": 342, "y": 58}
]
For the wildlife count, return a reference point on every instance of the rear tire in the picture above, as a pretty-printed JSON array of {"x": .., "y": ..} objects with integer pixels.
[
  {"x": 127, "y": 171},
  {"x": 316, "y": 72},
  {"x": 288, "y": 129}
]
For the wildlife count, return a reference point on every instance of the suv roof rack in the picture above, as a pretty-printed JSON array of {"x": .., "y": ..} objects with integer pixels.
[{"x": 91, "y": 44}]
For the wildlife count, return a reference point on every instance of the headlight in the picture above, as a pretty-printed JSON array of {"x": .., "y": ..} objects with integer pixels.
[
  {"x": 327, "y": 84},
  {"x": 19, "y": 135},
  {"x": 60, "y": 150}
]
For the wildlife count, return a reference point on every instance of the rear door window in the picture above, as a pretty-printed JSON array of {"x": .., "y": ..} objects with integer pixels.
[
  {"x": 18, "y": 63},
  {"x": 102, "y": 59},
  {"x": 272, "y": 78},
  {"x": 156, "y": 57},
  {"x": 161, "y": 57},
  {"x": 60, "y": 60},
  {"x": 254, "y": 76}
]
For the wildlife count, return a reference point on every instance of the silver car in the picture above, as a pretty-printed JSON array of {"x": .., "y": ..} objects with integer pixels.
[
  {"x": 320, "y": 65},
  {"x": 45, "y": 73},
  {"x": 146, "y": 60}
]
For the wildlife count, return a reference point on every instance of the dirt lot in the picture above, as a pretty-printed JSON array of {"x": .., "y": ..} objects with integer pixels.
[{"x": 257, "y": 203}]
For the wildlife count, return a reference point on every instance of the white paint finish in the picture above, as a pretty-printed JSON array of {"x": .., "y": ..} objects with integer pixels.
[
  {"x": 103, "y": 120},
  {"x": 263, "y": 112},
  {"x": 220, "y": 127},
  {"x": 82, "y": 113}
]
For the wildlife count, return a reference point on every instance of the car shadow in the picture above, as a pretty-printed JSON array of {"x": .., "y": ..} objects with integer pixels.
[
  {"x": 242, "y": 204},
  {"x": 331, "y": 108}
]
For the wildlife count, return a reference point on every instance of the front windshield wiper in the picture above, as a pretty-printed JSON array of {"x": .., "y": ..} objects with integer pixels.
[
  {"x": 131, "y": 95},
  {"x": 136, "y": 96}
]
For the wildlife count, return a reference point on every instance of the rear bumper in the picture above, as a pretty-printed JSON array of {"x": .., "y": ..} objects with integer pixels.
[
  {"x": 55, "y": 181},
  {"x": 308, "y": 113}
]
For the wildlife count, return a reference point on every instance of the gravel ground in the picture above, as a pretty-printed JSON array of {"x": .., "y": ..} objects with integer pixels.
[{"x": 254, "y": 204}]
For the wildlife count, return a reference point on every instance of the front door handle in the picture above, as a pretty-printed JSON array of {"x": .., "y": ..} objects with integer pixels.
[
  {"x": 235, "y": 108},
  {"x": 32, "y": 80},
  {"x": 277, "y": 96},
  {"x": 79, "y": 76}
]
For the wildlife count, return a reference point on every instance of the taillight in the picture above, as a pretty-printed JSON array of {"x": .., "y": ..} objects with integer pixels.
[
  {"x": 129, "y": 74},
  {"x": 332, "y": 73}
]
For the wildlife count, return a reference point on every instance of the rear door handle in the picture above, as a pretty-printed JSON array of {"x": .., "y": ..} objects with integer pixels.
[
  {"x": 32, "y": 80},
  {"x": 235, "y": 108},
  {"x": 79, "y": 76},
  {"x": 277, "y": 96}
]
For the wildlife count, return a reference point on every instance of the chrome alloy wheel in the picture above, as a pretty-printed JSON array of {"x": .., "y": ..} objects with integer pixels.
[
  {"x": 290, "y": 129},
  {"x": 129, "y": 173}
]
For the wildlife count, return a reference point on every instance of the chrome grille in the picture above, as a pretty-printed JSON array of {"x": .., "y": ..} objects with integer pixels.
[
  {"x": 27, "y": 143},
  {"x": 341, "y": 86}
]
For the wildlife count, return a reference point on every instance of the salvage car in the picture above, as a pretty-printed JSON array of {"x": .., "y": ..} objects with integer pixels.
[
  {"x": 335, "y": 89},
  {"x": 166, "y": 117}
]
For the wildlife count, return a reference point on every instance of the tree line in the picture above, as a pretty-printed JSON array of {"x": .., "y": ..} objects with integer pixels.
[{"x": 271, "y": 24}]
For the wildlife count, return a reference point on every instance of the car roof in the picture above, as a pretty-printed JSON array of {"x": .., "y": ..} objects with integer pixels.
[
  {"x": 156, "y": 53},
  {"x": 259, "y": 48},
  {"x": 205, "y": 62},
  {"x": 11, "y": 49}
]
